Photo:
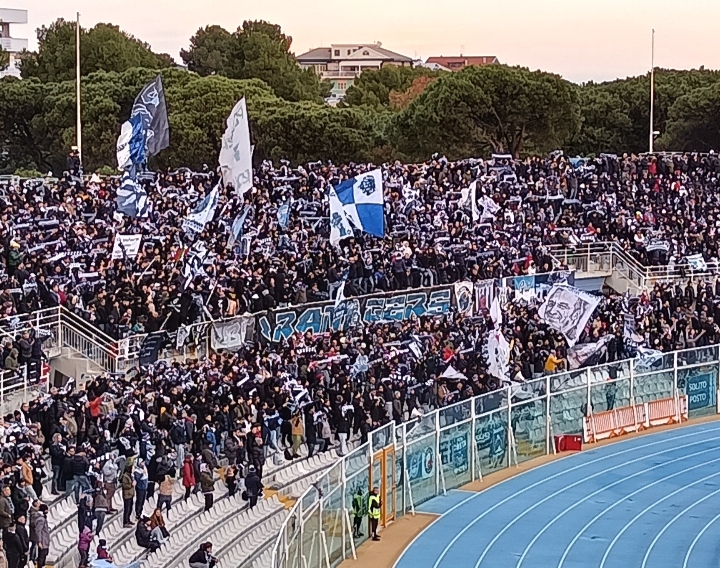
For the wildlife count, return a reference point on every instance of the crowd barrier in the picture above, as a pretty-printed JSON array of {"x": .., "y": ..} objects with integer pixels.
[
  {"x": 628, "y": 419},
  {"x": 449, "y": 447}
]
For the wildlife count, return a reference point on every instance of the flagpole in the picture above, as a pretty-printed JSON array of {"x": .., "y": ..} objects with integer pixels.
[
  {"x": 652, "y": 92},
  {"x": 78, "y": 126}
]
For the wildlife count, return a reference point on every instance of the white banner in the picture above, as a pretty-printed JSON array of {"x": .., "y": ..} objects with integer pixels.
[
  {"x": 498, "y": 354},
  {"x": 464, "y": 297},
  {"x": 340, "y": 227},
  {"x": 567, "y": 310},
  {"x": 126, "y": 246},
  {"x": 232, "y": 334},
  {"x": 236, "y": 153}
]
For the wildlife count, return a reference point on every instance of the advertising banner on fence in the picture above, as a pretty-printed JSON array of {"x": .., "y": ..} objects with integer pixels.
[{"x": 319, "y": 318}]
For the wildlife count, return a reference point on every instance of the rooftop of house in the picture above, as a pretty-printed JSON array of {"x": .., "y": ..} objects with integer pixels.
[
  {"x": 322, "y": 54},
  {"x": 463, "y": 60}
]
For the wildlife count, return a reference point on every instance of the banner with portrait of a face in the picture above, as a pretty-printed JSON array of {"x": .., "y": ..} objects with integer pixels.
[{"x": 567, "y": 310}]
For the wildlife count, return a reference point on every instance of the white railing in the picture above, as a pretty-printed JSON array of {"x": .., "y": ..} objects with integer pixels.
[
  {"x": 413, "y": 462},
  {"x": 609, "y": 256}
]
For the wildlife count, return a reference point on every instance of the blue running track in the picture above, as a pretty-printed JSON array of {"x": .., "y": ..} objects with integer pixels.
[{"x": 646, "y": 502}]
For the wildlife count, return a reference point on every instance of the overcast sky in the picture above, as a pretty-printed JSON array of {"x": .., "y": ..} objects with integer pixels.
[{"x": 579, "y": 39}]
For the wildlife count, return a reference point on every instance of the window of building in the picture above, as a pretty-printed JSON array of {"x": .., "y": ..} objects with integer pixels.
[
  {"x": 366, "y": 52},
  {"x": 349, "y": 51},
  {"x": 342, "y": 85},
  {"x": 337, "y": 53}
]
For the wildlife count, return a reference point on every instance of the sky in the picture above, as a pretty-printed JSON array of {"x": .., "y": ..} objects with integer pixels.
[{"x": 581, "y": 40}]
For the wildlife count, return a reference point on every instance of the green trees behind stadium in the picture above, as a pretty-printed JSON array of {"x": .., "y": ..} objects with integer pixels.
[{"x": 393, "y": 113}]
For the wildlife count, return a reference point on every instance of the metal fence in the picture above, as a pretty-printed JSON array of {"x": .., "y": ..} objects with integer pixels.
[{"x": 413, "y": 462}]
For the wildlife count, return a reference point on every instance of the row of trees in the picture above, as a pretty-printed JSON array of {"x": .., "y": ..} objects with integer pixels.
[{"x": 393, "y": 113}]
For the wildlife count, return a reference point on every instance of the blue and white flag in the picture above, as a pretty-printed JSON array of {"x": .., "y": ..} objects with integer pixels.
[
  {"x": 236, "y": 232},
  {"x": 340, "y": 227},
  {"x": 147, "y": 132},
  {"x": 283, "y": 215},
  {"x": 194, "y": 262},
  {"x": 204, "y": 212},
  {"x": 696, "y": 262},
  {"x": 132, "y": 200},
  {"x": 363, "y": 203}
]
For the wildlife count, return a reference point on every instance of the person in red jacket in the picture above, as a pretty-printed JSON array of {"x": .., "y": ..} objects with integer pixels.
[{"x": 188, "y": 475}]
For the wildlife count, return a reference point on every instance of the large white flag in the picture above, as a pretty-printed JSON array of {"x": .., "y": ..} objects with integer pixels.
[
  {"x": 567, "y": 310},
  {"x": 498, "y": 354},
  {"x": 340, "y": 227},
  {"x": 236, "y": 152}
]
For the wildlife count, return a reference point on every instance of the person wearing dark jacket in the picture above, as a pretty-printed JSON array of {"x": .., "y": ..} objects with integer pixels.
[
  {"x": 22, "y": 534},
  {"x": 253, "y": 486},
  {"x": 257, "y": 457},
  {"x": 57, "y": 458},
  {"x": 13, "y": 548},
  {"x": 142, "y": 535},
  {"x": 202, "y": 557}
]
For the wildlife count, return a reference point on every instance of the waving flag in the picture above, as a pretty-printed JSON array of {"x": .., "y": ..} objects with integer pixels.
[
  {"x": 147, "y": 132},
  {"x": 195, "y": 222},
  {"x": 236, "y": 231},
  {"x": 340, "y": 227},
  {"x": 236, "y": 153},
  {"x": 362, "y": 201},
  {"x": 132, "y": 200}
]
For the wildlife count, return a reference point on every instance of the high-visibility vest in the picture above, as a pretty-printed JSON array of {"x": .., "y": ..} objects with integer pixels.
[
  {"x": 374, "y": 507},
  {"x": 357, "y": 505}
]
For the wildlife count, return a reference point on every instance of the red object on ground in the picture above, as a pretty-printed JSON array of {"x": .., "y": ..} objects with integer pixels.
[{"x": 568, "y": 443}]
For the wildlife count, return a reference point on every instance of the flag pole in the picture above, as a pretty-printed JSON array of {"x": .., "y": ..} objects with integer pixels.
[
  {"x": 652, "y": 92},
  {"x": 78, "y": 126}
]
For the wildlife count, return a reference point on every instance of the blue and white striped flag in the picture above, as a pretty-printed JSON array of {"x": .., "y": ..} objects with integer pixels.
[
  {"x": 696, "y": 262},
  {"x": 204, "y": 212},
  {"x": 363, "y": 202},
  {"x": 236, "y": 232},
  {"x": 283, "y": 214},
  {"x": 132, "y": 200}
]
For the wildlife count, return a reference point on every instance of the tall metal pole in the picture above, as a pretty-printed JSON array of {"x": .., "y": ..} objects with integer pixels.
[
  {"x": 78, "y": 125},
  {"x": 652, "y": 93}
]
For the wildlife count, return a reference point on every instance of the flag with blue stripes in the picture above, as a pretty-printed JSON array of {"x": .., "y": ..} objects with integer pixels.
[
  {"x": 147, "y": 132},
  {"x": 204, "y": 212},
  {"x": 236, "y": 232},
  {"x": 363, "y": 203},
  {"x": 132, "y": 199},
  {"x": 283, "y": 215}
]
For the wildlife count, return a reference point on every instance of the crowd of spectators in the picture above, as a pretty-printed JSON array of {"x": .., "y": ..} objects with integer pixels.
[
  {"x": 57, "y": 236},
  {"x": 140, "y": 432}
]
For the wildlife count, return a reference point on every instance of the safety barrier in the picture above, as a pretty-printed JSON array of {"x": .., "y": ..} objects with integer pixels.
[
  {"x": 413, "y": 462},
  {"x": 628, "y": 419}
]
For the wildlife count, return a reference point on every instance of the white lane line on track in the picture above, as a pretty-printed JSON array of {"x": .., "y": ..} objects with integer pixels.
[
  {"x": 579, "y": 482},
  {"x": 697, "y": 538},
  {"x": 696, "y": 431},
  {"x": 675, "y": 518},
  {"x": 615, "y": 504}
]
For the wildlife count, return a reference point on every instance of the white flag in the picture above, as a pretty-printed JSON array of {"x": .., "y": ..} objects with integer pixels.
[
  {"x": 498, "y": 353},
  {"x": 236, "y": 152},
  {"x": 126, "y": 246},
  {"x": 123, "y": 146}
]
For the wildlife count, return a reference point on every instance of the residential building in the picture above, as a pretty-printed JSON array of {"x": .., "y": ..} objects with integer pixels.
[
  {"x": 10, "y": 44},
  {"x": 461, "y": 61},
  {"x": 342, "y": 63}
]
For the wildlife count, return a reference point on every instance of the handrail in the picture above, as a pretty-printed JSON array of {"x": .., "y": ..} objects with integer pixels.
[{"x": 538, "y": 392}]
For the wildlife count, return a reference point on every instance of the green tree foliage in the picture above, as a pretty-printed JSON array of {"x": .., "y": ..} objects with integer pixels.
[
  {"x": 210, "y": 52},
  {"x": 102, "y": 48},
  {"x": 257, "y": 50},
  {"x": 605, "y": 124},
  {"x": 488, "y": 109},
  {"x": 694, "y": 121},
  {"x": 374, "y": 86},
  {"x": 632, "y": 96}
]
